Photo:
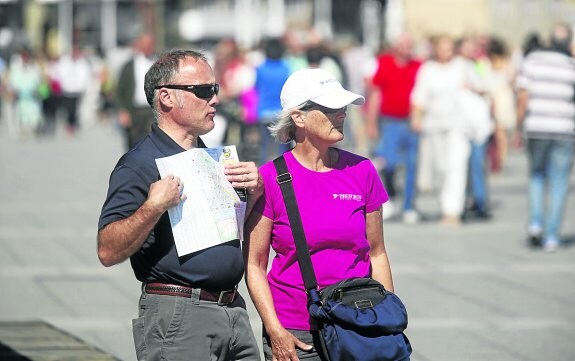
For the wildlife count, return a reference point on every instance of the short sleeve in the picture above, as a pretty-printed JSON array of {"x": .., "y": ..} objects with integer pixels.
[
  {"x": 376, "y": 194},
  {"x": 127, "y": 191}
]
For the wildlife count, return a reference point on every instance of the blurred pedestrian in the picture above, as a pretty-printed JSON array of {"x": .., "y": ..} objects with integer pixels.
[
  {"x": 545, "y": 115},
  {"x": 319, "y": 54},
  {"x": 389, "y": 123},
  {"x": 503, "y": 75},
  {"x": 295, "y": 54},
  {"x": 437, "y": 113},
  {"x": 270, "y": 78},
  {"x": 52, "y": 99},
  {"x": 359, "y": 64},
  {"x": 24, "y": 81},
  {"x": 3, "y": 71},
  {"x": 236, "y": 77},
  {"x": 74, "y": 74},
  {"x": 106, "y": 105},
  {"x": 134, "y": 114},
  {"x": 189, "y": 306},
  {"x": 478, "y": 83},
  {"x": 2, "y": 68}
]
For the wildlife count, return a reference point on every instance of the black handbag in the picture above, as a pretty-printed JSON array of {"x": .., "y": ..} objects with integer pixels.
[{"x": 357, "y": 318}]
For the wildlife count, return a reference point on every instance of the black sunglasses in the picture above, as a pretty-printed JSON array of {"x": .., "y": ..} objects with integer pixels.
[
  {"x": 324, "y": 110},
  {"x": 202, "y": 91}
]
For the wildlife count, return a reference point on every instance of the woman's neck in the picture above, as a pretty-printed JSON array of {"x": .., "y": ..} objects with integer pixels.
[{"x": 318, "y": 160}]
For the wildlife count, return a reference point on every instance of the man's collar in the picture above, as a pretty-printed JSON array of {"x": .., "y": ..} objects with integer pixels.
[{"x": 167, "y": 145}]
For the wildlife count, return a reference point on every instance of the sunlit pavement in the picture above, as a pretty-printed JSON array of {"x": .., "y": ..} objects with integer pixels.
[{"x": 473, "y": 292}]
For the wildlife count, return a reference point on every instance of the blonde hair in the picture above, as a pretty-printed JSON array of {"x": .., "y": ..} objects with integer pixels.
[{"x": 283, "y": 129}]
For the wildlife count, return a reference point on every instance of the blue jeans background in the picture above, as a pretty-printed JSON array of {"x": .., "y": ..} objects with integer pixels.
[
  {"x": 551, "y": 161},
  {"x": 399, "y": 144},
  {"x": 477, "y": 177}
]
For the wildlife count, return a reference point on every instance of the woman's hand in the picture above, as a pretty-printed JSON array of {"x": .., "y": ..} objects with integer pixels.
[
  {"x": 256, "y": 248},
  {"x": 284, "y": 346}
]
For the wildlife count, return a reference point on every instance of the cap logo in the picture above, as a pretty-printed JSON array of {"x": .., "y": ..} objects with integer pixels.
[{"x": 323, "y": 82}]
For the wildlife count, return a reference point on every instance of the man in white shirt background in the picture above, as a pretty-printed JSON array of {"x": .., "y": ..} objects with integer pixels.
[{"x": 134, "y": 113}]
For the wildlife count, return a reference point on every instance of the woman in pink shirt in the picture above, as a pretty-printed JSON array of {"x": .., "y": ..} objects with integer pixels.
[{"x": 339, "y": 196}]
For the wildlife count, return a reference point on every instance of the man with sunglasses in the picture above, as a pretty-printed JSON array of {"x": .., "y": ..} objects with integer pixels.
[{"x": 189, "y": 308}]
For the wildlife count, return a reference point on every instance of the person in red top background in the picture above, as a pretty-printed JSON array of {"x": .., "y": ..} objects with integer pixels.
[{"x": 388, "y": 121}]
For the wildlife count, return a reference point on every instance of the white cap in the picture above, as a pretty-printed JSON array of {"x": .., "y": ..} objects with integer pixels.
[{"x": 318, "y": 86}]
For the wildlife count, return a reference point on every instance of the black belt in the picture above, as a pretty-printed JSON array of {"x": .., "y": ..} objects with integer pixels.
[{"x": 166, "y": 289}]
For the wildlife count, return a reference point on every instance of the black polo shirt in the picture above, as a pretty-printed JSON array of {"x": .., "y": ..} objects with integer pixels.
[{"x": 217, "y": 268}]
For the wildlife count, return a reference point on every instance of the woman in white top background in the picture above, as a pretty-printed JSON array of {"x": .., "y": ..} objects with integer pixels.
[{"x": 437, "y": 113}]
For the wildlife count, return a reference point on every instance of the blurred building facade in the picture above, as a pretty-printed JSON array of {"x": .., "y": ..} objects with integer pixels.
[
  {"x": 510, "y": 20},
  {"x": 107, "y": 24}
]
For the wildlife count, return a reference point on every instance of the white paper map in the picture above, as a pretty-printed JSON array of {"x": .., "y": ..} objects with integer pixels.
[{"x": 213, "y": 212}]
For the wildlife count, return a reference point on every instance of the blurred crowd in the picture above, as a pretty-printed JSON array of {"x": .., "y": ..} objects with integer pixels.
[
  {"x": 414, "y": 90},
  {"x": 38, "y": 90}
]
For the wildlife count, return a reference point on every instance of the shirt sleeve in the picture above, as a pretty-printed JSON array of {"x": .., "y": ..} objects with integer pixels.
[
  {"x": 376, "y": 194},
  {"x": 127, "y": 191}
]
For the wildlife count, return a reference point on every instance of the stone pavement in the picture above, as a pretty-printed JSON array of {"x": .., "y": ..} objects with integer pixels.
[
  {"x": 40, "y": 341},
  {"x": 474, "y": 292}
]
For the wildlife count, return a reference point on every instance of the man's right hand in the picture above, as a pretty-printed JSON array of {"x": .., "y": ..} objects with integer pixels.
[
  {"x": 166, "y": 193},
  {"x": 121, "y": 239}
]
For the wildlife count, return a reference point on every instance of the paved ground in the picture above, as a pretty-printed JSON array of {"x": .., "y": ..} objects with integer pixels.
[
  {"x": 40, "y": 341},
  {"x": 473, "y": 293}
]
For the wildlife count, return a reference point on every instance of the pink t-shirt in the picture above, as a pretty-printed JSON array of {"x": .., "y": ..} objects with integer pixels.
[{"x": 333, "y": 206}]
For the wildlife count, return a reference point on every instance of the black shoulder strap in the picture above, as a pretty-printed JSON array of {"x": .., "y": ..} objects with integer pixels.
[{"x": 284, "y": 180}]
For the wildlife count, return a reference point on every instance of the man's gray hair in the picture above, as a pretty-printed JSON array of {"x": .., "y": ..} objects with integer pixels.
[{"x": 283, "y": 129}]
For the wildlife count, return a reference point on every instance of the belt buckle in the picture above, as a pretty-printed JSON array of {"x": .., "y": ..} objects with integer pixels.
[{"x": 224, "y": 294}]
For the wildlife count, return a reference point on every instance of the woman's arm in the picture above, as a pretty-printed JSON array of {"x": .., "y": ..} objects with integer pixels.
[
  {"x": 416, "y": 117},
  {"x": 257, "y": 235},
  {"x": 380, "y": 268}
]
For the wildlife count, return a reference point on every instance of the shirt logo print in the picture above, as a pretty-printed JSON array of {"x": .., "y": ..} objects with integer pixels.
[{"x": 347, "y": 197}]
